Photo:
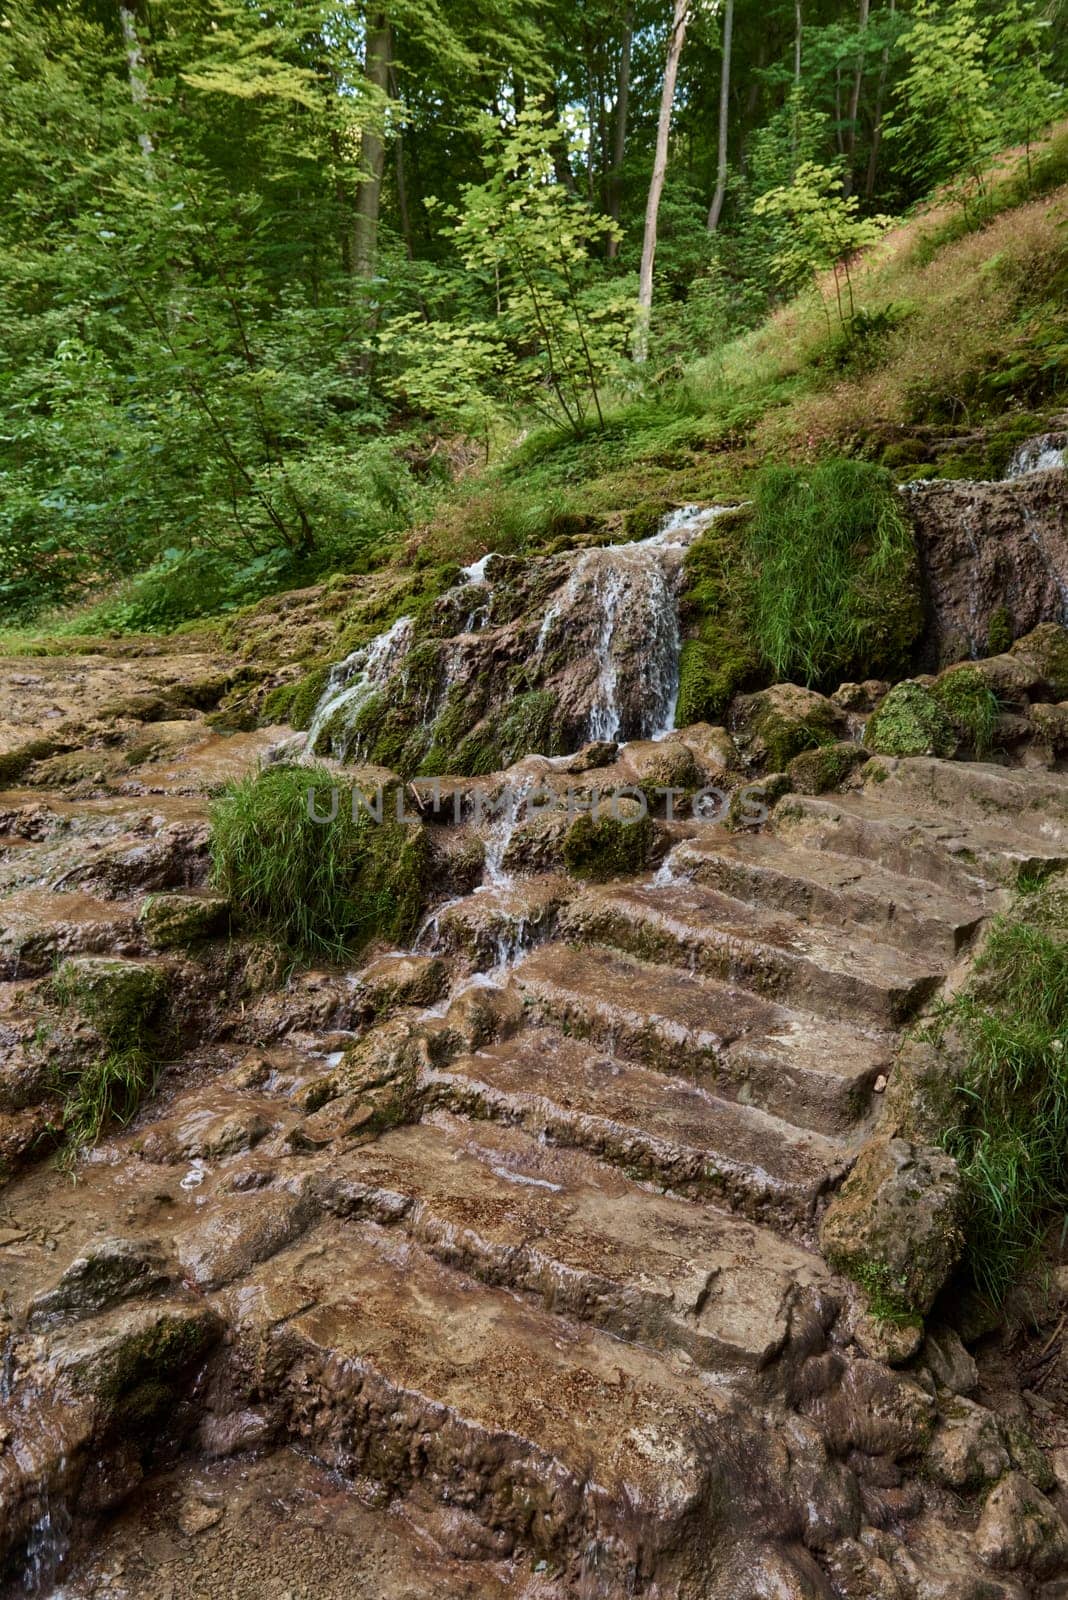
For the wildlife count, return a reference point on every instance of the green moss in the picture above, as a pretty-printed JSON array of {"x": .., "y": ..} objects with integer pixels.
[
  {"x": 904, "y": 453},
  {"x": 306, "y": 696},
  {"x": 14, "y": 763},
  {"x": 999, "y": 633},
  {"x": 598, "y": 848},
  {"x": 179, "y": 921},
  {"x": 911, "y": 722},
  {"x": 888, "y": 1299},
  {"x": 643, "y": 520},
  {"x": 321, "y": 888},
  {"x": 719, "y": 657},
  {"x": 971, "y": 705},
  {"x": 816, "y": 771}
]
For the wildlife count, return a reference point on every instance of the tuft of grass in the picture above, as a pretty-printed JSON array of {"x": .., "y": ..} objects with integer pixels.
[
  {"x": 836, "y": 573},
  {"x": 971, "y": 705},
  {"x": 322, "y": 888},
  {"x": 1010, "y": 1139}
]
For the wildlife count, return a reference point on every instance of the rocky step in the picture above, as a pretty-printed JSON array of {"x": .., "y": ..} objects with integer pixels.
[
  {"x": 817, "y": 886},
  {"x": 966, "y": 858},
  {"x": 39, "y": 928},
  {"x": 562, "y": 1443},
  {"x": 1030, "y": 802},
  {"x": 656, "y": 1128},
  {"x": 495, "y": 923},
  {"x": 501, "y": 1205},
  {"x": 825, "y": 970},
  {"x": 813, "y": 1072}
]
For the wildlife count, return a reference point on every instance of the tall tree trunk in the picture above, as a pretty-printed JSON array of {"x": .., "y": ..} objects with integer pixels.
[
  {"x": 797, "y": 44},
  {"x": 619, "y": 142},
  {"x": 724, "y": 109},
  {"x": 877, "y": 121},
  {"x": 135, "y": 72},
  {"x": 401, "y": 178},
  {"x": 372, "y": 152},
  {"x": 854, "y": 99},
  {"x": 640, "y": 342}
]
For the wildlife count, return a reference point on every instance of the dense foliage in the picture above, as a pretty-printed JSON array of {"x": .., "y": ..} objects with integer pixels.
[{"x": 267, "y": 277}]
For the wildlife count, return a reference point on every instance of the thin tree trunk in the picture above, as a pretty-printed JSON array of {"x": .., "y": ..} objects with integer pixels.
[
  {"x": 135, "y": 71},
  {"x": 401, "y": 180},
  {"x": 372, "y": 152},
  {"x": 619, "y": 144},
  {"x": 854, "y": 100},
  {"x": 640, "y": 343},
  {"x": 877, "y": 124},
  {"x": 797, "y": 44},
  {"x": 720, "y": 195}
]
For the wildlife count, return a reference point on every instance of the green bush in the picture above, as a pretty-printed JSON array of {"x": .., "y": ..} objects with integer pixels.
[
  {"x": 321, "y": 888},
  {"x": 836, "y": 579},
  {"x": 1010, "y": 1139}
]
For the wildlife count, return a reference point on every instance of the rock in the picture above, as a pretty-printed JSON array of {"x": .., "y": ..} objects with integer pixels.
[
  {"x": 1045, "y": 649},
  {"x": 910, "y": 722},
  {"x": 939, "y": 1563},
  {"x": 816, "y": 771},
  {"x": 174, "y": 921},
  {"x": 146, "y": 1343},
  {"x": 1059, "y": 1467},
  {"x": 968, "y": 1450},
  {"x": 894, "y": 1226},
  {"x": 114, "y": 995},
  {"x": 1019, "y": 1531},
  {"x": 860, "y": 697},
  {"x": 1026, "y": 1456},
  {"x": 663, "y": 764},
  {"x": 779, "y": 723},
  {"x": 204, "y": 1132},
  {"x": 876, "y": 1411},
  {"x": 992, "y": 554},
  {"x": 713, "y": 748},
  {"x": 603, "y": 847},
  {"x": 197, "y": 1516},
  {"x": 113, "y": 1271},
  {"x": 600, "y": 753},
  {"x": 1050, "y": 727},
  {"x": 401, "y": 980},
  {"x": 893, "y": 1342},
  {"x": 948, "y": 1362},
  {"x": 770, "y": 1573}
]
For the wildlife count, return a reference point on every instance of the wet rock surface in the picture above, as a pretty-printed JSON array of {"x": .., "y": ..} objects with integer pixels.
[{"x": 511, "y": 1236}]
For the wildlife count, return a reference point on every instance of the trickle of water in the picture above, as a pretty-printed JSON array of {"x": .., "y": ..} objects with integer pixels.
[
  {"x": 1037, "y": 455},
  {"x": 47, "y": 1542},
  {"x": 499, "y": 836},
  {"x": 355, "y": 679}
]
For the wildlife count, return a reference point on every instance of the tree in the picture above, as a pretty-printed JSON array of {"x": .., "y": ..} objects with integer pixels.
[
  {"x": 945, "y": 117},
  {"x": 373, "y": 151},
  {"x": 1020, "y": 57},
  {"x": 823, "y": 229},
  {"x": 724, "y": 108},
  {"x": 676, "y": 39}
]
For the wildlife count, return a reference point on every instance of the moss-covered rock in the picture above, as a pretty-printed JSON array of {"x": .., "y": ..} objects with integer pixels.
[
  {"x": 911, "y": 722},
  {"x": 895, "y": 1225},
  {"x": 176, "y": 921},
  {"x": 14, "y": 763},
  {"x": 1045, "y": 649},
  {"x": 816, "y": 771},
  {"x": 598, "y": 848},
  {"x": 117, "y": 997},
  {"x": 999, "y": 631},
  {"x": 779, "y": 723},
  {"x": 971, "y": 705},
  {"x": 750, "y": 806},
  {"x": 1050, "y": 727}
]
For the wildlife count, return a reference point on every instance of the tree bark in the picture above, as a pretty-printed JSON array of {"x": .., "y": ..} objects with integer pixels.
[
  {"x": 372, "y": 152},
  {"x": 135, "y": 71},
  {"x": 640, "y": 342},
  {"x": 797, "y": 44},
  {"x": 854, "y": 101},
  {"x": 619, "y": 141},
  {"x": 877, "y": 121},
  {"x": 720, "y": 195}
]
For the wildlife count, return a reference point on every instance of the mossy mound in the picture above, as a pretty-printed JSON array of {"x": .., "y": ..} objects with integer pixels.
[
  {"x": 781, "y": 722},
  {"x": 300, "y": 858},
  {"x": 599, "y": 848},
  {"x": 971, "y": 706},
  {"x": 118, "y": 998},
  {"x": 911, "y": 722},
  {"x": 1045, "y": 648},
  {"x": 816, "y": 771},
  {"x": 176, "y": 921}
]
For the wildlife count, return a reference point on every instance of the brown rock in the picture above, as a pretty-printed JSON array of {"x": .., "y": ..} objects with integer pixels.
[
  {"x": 1020, "y": 1531},
  {"x": 968, "y": 1449}
]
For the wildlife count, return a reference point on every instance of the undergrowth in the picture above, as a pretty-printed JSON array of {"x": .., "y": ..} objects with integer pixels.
[
  {"x": 323, "y": 888},
  {"x": 1010, "y": 1136}
]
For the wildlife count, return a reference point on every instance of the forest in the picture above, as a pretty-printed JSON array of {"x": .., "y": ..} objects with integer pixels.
[{"x": 279, "y": 281}]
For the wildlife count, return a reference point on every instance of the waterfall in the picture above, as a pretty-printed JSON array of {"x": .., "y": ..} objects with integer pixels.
[
  {"x": 355, "y": 679},
  {"x": 1038, "y": 455}
]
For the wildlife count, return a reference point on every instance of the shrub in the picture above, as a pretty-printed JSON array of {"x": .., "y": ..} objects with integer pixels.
[
  {"x": 835, "y": 571},
  {"x": 1010, "y": 1139},
  {"x": 322, "y": 888}
]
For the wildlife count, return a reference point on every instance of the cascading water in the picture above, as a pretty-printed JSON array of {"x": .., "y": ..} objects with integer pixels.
[
  {"x": 1043, "y": 454},
  {"x": 354, "y": 680}
]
